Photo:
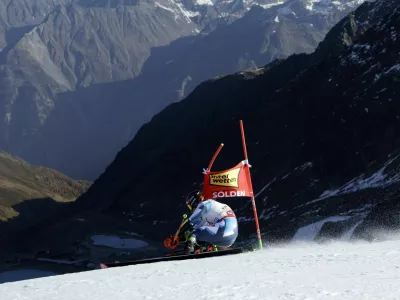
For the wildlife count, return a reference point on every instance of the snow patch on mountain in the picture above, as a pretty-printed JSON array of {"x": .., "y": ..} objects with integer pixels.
[
  {"x": 310, "y": 4},
  {"x": 238, "y": 7},
  {"x": 379, "y": 179},
  {"x": 321, "y": 5},
  {"x": 204, "y": 2},
  {"x": 269, "y": 5},
  {"x": 299, "y": 168},
  {"x": 395, "y": 68},
  {"x": 309, "y": 232},
  {"x": 178, "y": 10}
]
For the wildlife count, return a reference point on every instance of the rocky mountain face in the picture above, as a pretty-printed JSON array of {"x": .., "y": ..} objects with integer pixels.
[
  {"x": 74, "y": 46},
  {"x": 322, "y": 133},
  {"x": 17, "y": 17},
  {"x": 89, "y": 125},
  {"x": 50, "y": 47}
]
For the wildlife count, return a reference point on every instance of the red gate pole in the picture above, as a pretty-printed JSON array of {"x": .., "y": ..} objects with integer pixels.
[
  {"x": 249, "y": 180},
  {"x": 214, "y": 157}
]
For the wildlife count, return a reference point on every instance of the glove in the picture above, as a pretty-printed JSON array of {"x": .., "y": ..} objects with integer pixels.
[
  {"x": 187, "y": 230},
  {"x": 168, "y": 242},
  {"x": 186, "y": 235}
]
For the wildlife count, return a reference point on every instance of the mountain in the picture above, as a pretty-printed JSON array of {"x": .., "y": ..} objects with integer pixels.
[
  {"x": 49, "y": 47},
  {"x": 321, "y": 132},
  {"x": 89, "y": 125},
  {"x": 21, "y": 181},
  {"x": 30, "y": 194},
  {"x": 76, "y": 46},
  {"x": 17, "y": 17}
]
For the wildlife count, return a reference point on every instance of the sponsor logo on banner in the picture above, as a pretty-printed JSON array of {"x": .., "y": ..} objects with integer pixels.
[
  {"x": 228, "y": 178},
  {"x": 222, "y": 194}
]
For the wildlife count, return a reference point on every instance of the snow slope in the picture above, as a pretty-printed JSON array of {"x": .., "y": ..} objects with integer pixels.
[{"x": 339, "y": 270}]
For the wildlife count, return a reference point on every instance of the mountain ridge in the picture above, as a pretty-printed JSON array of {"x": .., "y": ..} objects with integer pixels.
[
  {"x": 185, "y": 63},
  {"x": 20, "y": 181}
]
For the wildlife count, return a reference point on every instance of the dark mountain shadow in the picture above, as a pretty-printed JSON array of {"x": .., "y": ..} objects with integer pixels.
[
  {"x": 31, "y": 212},
  {"x": 18, "y": 275}
]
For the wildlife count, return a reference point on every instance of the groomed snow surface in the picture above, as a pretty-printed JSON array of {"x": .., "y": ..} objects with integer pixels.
[{"x": 339, "y": 270}]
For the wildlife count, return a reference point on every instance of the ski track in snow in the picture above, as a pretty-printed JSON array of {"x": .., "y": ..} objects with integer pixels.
[{"x": 299, "y": 271}]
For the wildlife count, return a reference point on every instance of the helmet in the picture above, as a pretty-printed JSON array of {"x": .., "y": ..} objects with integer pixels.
[{"x": 193, "y": 199}]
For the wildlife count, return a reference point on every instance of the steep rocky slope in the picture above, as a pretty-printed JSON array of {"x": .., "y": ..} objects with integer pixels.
[
  {"x": 18, "y": 16},
  {"x": 77, "y": 46},
  {"x": 322, "y": 138}
]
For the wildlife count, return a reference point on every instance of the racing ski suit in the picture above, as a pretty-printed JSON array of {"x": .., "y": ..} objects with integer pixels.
[{"x": 215, "y": 223}]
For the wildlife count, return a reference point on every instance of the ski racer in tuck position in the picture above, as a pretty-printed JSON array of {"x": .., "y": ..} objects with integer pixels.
[{"x": 211, "y": 222}]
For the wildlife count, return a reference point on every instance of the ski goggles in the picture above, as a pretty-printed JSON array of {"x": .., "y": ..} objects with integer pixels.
[{"x": 191, "y": 206}]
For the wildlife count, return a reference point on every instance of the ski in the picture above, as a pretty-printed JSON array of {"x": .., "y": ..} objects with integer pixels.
[{"x": 172, "y": 258}]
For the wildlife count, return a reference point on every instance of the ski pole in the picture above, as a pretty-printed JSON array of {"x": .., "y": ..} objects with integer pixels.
[{"x": 184, "y": 220}]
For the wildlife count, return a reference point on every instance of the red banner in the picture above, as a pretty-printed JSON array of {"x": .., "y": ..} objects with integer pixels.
[{"x": 233, "y": 182}]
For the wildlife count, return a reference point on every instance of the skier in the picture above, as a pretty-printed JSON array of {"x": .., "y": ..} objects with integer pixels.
[{"x": 211, "y": 222}]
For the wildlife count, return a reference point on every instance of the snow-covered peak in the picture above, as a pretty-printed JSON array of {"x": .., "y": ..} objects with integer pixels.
[
  {"x": 178, "y": 9},
  {"x": 309, "y": 4},
  {"x": 301, "y": 9},
  {"x": 318, "y": 5},
  {"x": 193, "y": 10},
  {"x": 204, "y": 2}
]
